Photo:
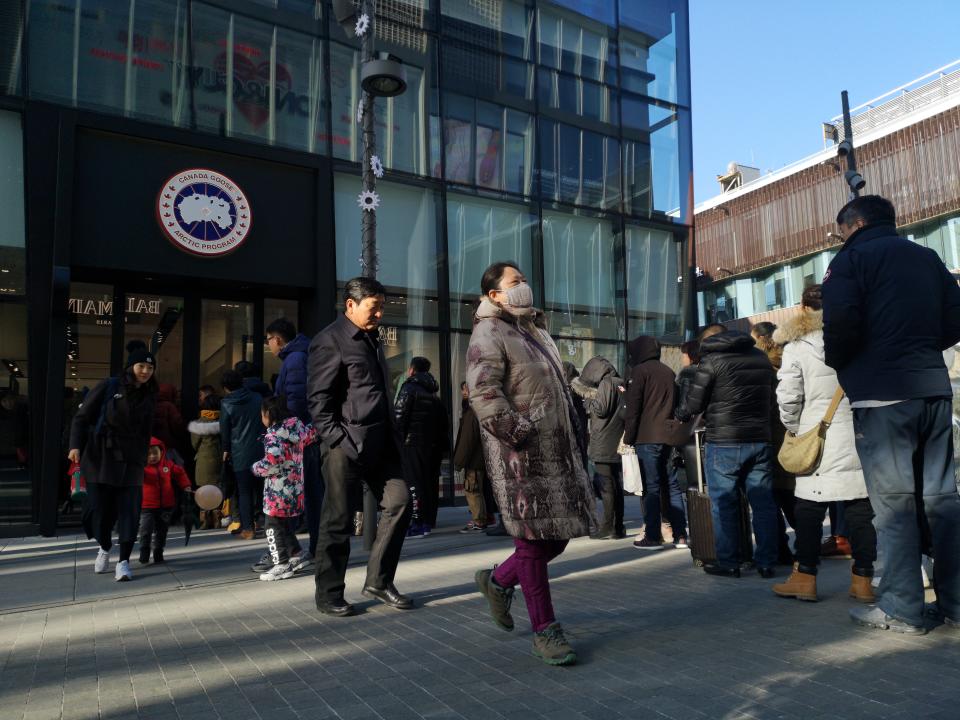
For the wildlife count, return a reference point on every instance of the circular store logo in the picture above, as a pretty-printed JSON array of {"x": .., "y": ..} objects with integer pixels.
[{"x": 203, "y": 212}]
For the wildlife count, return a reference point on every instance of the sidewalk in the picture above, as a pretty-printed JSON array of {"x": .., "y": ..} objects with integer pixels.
[{"x": 202, "y": 638}]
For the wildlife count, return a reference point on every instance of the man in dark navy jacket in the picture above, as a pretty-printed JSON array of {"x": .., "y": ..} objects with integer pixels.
[
  {"x": 347, "y": 388},
  {"x": 890, "y": 308}
]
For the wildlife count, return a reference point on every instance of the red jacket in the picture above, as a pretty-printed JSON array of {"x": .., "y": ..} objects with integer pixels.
[{"x": 158, "y": 481}]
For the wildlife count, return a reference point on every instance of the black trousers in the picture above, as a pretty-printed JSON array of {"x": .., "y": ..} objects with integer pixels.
[
  {"x": 343, "y": 479},
  {"x": 312, "y": 493},
  {"x": 154, "y": 523},
  {"x": 786, "y": 503},
  {"x": 421, "y": 470},
  {"x": 107, "y": 506},
  {"x": 611, "y": 492},
  {"x": 809, "y": 527},
  {"x": 282, "y": 540}
]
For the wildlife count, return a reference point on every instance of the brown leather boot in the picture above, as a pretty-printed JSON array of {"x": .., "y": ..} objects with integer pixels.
[
  {"x": 861, "y": 587},
  {"x": 800, "y": 585}
]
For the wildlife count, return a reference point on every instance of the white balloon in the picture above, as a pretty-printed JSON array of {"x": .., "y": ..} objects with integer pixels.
[{"x": 208, "y": 497}]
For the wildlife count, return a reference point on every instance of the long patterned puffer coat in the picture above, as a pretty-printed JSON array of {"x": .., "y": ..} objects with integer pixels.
[{"x": 527, "y": 426}]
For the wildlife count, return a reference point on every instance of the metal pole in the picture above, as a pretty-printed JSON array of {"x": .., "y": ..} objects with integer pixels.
[
  {"x": 848, "y": 135},
  {"x": 368, "y": 223}
]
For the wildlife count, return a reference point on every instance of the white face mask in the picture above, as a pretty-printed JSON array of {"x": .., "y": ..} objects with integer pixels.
[{"x": 520, "y": 296}]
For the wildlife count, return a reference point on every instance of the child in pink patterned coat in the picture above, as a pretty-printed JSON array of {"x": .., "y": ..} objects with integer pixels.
[{"x": 282, "y": 471}]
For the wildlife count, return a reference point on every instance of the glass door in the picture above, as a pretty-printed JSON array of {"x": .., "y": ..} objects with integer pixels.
[
  {"x": 226, "y": 338},
  {"x": 157, "y": 321}
]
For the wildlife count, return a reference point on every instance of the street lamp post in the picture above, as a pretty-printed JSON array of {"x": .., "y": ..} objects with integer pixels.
[{"x": 845, "y": 150}]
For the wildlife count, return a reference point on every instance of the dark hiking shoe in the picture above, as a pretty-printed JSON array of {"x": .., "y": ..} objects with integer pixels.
[
  {"x": 144, "y": 554},
  {"x": 552, "y": 647},
  {"x": 158, "y": 555},
  {"x": 497, "y": 597}
]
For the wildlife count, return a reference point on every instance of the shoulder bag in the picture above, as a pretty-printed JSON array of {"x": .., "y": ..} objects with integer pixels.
[{"x": 801, "y": 454}]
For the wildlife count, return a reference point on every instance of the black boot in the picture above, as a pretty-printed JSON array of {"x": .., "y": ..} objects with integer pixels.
[
  {"x": 158, "y": 555},
  {"x": 144, "y": 550}
]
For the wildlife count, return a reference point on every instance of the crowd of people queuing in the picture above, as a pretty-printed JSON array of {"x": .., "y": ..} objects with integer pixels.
[{"x": 859, "y": 366}]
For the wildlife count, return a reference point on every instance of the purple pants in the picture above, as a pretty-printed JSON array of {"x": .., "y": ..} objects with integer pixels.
[{"x": 528, "y": 566}]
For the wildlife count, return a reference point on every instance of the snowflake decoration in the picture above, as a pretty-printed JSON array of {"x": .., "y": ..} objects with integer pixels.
[
  {"x": 376, "y": 166},
  {"x": 363, "y": 24},
  {"x": 360, "y": 112},
  {"x": 368, "y": 200}
]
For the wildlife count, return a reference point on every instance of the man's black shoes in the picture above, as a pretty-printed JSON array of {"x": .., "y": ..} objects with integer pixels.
[
  {"x": 767, "y": 573},
  {"x": 389, "y": 596},
  {"x": 337, "y": 608},
  {"x": 721, "y": 571}
]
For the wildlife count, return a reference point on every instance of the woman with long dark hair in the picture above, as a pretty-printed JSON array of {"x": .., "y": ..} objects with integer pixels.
[
  {"x": 532, "y": 444},
  {"x": 110, "y": 438}
]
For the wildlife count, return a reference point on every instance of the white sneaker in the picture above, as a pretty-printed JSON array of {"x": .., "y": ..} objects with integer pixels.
[
  {"x": 302, "y": 562},
  {"x": 102, "y": 565},
  {"x": 124, "y": 572},
  {"x": 282, "y": 571}
]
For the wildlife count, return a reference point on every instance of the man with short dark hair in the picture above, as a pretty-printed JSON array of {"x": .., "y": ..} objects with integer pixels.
[
  {"x": 349, "y": 401},
  {"x": 890, "y": 308},
  {"x": 423, "y": 428}
]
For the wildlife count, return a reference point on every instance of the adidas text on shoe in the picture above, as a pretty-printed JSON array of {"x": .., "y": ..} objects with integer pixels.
[
  {"x": 123, "y": 573},
  {"x": 874, "y": 617},
  {"x": 648, "y": 544},
  {"x": 498, "y": 598},
  {"x": 102, "y": 563},
  {"x": 552, "y": 647},
  {"x": 280, "y": 571}
]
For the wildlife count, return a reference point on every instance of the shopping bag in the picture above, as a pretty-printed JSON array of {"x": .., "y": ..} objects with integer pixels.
[
  {"x": 78, "y": 484},
  {"x": 631, "y": 473}
]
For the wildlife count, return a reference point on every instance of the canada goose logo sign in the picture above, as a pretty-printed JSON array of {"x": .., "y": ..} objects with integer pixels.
[{"x": 204, "y": 213}]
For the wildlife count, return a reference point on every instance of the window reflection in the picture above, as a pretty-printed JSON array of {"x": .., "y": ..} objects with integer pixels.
[
  {"x": 651, "y": 158},
  {"x": 575, "y": 44},
  {"x": 578, "y": 166},
  {"x": 654, "y": 295},
  {"x": 498, "y": 25},
  {"x": 653, "y": 38}
]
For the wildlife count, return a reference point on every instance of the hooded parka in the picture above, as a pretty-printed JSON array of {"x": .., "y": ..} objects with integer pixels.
[
  {"x": 205, "y": 436},
  {"x": 517, "y": 389},
  {"x": 599, "y": 385},
  {"x": 804, "y": 394}
]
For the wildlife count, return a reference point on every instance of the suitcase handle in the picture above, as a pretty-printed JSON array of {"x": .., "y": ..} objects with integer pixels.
[{"x": 696, "y": 440}]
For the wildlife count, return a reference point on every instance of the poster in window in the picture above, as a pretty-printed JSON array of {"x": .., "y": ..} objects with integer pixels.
[{"x": 489, "y": 149}]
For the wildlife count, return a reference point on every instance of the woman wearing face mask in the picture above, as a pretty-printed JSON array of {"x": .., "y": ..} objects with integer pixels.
[
  {"x": 531, "y": 444},
  {"x": 110, "y": 437}
]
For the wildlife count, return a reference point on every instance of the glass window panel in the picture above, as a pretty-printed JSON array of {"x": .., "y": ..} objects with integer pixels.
[
  {"x": 406, "y": 243},
  {"x": 304, "y": 7},
  {"x": 401, "y": 121},
  {"x": 573, "y": 95},
  {"x": 226, "y": 338},
  {"x": 481, "y": 232},
  {"x": 580, "y": 275},
  {"x": 580, "y": 350},
  {"x": 51, "y": 49},
  {"x": 653, "y": 36},
  {"x": 11, "y": 44},
  {"x": 578, "y": 166},
  {"x": 576, "y": 45},
  {"x": 274, "y": 309},
  {"x": 652, "y": 170},
  {"x": 157, "y": 320},
  {"x": 602, "y": 11},
  {"x": 500, "y": 26},
  {"x": 654, "y": 297}
]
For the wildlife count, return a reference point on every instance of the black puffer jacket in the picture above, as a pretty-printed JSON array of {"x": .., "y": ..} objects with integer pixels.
[
  {"x": 421, "y": 419},
  {"x": 733, "y": 387},
  {"x": 599, "y": 385}
]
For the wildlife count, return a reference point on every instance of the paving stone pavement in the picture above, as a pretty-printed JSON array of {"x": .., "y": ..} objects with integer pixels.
[{"x": 656, "y": 638}]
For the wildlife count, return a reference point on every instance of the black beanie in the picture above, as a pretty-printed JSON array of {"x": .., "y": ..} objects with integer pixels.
[{"x": 139, "y": 353}]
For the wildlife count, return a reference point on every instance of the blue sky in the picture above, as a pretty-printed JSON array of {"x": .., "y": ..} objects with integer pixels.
[{"x": 767, "y": 73}]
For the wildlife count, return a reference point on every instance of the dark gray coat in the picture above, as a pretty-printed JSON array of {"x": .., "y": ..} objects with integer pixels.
[{"x": 599, "y": 385}]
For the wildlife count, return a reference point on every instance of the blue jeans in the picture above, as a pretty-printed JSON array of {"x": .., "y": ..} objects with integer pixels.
[
  {"x": 730, "y": 468},
  {"x": 657, "y": 471},
  {"x": 907, "y": 455}
]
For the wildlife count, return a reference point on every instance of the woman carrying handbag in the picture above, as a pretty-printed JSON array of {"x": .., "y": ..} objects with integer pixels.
[{"x": 819, "y": 447}]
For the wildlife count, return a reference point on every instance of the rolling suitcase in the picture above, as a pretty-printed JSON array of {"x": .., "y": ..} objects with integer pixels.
[{"x": 702, "y": 540}]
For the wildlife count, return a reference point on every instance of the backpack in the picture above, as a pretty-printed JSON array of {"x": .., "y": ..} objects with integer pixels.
[{"x": 113, "y": 385}]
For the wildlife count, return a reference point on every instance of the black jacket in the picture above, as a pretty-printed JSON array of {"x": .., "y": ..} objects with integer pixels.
[
  {"x": 733, "y": 386},
  {"x": 468, "y": 452},
  {"x": 889, "y": 308},
  {"x": 648, "y": 411},
  {"x": 347, "y": 380},
  {"x": 241, "y": 428},
  {"x": 599, "y": 386},
  {"x": 684, "y": 382},
  {"x": 117, "y": 454},
  {"x": 420, "y": 416}
]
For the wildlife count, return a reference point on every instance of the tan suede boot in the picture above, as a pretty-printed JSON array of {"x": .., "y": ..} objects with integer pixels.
[
  {"x": 800, "y": 585},
  {"x": 861, "y": 588}
]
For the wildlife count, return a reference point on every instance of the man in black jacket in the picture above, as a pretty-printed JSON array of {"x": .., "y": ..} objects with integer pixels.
[
  {"x": 423, "y": 428},
  {"x": 890, "y": 308},
  {"x": 347, "y": 389},
  {"x": 600, "y": 387},
  {"x": 649, "y": 425},
  {"x": 733, "y": 386}
]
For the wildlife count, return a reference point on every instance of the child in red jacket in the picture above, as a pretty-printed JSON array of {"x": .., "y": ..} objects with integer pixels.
[{"x": 159, "y": 499}]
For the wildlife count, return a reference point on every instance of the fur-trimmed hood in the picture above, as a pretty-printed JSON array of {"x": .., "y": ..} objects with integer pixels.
[
  {"x": 794, "y": 328},
  {"x": 204, "y": 427}
]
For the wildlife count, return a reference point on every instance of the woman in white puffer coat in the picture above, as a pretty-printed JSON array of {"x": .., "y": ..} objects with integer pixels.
[{"x": 804, "y": 394}]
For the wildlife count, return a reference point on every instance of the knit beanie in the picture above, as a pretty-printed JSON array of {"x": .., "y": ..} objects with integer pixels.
[{"x": 139, "y": 353}]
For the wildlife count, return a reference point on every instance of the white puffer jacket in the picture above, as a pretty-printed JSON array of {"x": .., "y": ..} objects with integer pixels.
[{"x": 806, "y": 388}]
